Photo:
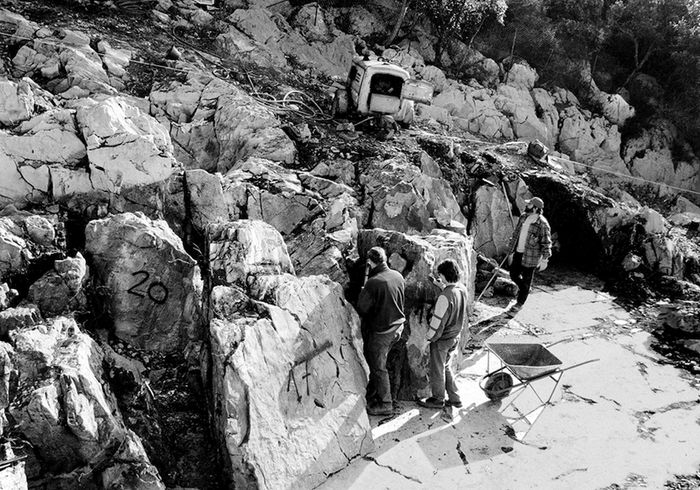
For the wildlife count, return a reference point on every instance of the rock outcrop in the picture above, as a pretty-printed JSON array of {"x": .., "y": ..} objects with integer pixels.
[
  {"x": 288, "y": 375},
  {"x": 152, "y": 286}
]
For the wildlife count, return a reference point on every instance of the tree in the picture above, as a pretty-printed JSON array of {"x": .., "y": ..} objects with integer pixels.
[
  {"x": 645, "y": 27},
  {"x": 459, "y": 19}
]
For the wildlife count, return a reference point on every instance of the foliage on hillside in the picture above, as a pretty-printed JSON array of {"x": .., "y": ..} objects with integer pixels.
[{"x": 620, "y": 39}]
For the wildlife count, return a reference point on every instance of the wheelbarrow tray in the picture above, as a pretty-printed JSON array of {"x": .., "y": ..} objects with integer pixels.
[{"x": 526, "y": 361}]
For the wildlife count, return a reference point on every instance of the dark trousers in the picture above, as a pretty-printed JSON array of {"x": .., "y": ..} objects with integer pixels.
[
  {"x": 521, "y": 276},
  {"x": 377, "y": 347},
  {"x": 441, "y": 377}
]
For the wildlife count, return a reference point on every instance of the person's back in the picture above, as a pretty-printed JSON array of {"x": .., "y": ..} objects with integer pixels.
[
  {"x": 382, "y": 299},
  {"x": 456, "y": 295},
  {"x": 381, "y": 307}
]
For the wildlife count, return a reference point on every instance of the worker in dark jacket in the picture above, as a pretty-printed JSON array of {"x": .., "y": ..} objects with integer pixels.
[
  {"x": 446, "y": 324},
  {"x": 381, "y": 307}
]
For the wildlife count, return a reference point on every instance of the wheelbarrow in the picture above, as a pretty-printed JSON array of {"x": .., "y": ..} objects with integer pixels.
[{"x": 521, "y": 366}]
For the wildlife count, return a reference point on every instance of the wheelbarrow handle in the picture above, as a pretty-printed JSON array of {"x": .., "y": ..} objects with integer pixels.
[{"x": 578, "y": 365}]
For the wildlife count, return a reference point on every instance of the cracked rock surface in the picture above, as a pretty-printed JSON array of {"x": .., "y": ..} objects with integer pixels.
[{"x": 627, "y": 420}]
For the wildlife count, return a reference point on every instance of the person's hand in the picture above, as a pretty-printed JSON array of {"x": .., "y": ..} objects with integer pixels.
[
  {"x": 509, "y": 260},
  {"x": 542, "y": 264},
  {"x": 436, "y": 281}
]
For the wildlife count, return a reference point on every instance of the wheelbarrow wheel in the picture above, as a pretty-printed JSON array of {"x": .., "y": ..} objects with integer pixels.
[{"x": 498, "y": 385}]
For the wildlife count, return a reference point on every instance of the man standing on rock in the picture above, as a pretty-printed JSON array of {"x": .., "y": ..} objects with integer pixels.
[
  {"x": 381, "y": 307},
  {"x": 531, "y": 246},
  {"x": 444, "y": 330}
]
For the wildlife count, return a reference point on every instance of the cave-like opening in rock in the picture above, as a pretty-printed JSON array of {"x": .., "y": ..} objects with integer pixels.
[{"x": 570, "y": 213}]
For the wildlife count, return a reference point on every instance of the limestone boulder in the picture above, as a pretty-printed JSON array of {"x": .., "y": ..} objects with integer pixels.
[
  {"x": 25, "y": 315},
  {"x": 473, "y": 64},
  {"x": 130, "y": 468},
  {"x": 435, "y": 76},
  {"x": 215, "y": 125},
  {"x": 317, "y": 217},
  {"x": 24, "y": 240},
  {"x": 649, "y": 156},
  {"x": 416, "y": 258},
  {"x": 125, "y": 147},
  {"x": 406, "y": 56},
  {"x": 30, "y": 152},
  {"x": 286, "y": 364},
  {"x": 682, "y": 317},
  {"x": 431, "y": 113},
  {"x": 592, "y": 141},
  {"x": 7, "y": 294},
  {"x": 273, "y": 194},
  {"x": 257, "y": 34},
  {"x": 519, "y": 75},
  {"x": 314, "y": 23},
  {"x": 493, "y": 223},
  {"x": 62, "y": 289},
  {"x": 359, "y": 21},
  {"x": 616, "y": 109},
  {"x": 685, "y": 205},
  {"x": 154, "y": 286},
  {"x": 243, "y": 248},
  {"x": 16, "y": 102},
  {"x": 483, "y": 117},
  {"x": 64, "y": 410},
  {"x": 407, "y": 200},
  {"x": 546, "y": 108},
  {"x": 66, "y": 60},
  {"x": 518, "y": 105}
]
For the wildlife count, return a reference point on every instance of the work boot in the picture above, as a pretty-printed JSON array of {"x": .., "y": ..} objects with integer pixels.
[
  {"x": 381, "y": 409},
  {"x": 456, "y": 403},
  {"x": 431, "y": 402}
]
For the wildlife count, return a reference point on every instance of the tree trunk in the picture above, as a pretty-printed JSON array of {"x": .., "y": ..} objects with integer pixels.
[{"x": 397, "y": 25}]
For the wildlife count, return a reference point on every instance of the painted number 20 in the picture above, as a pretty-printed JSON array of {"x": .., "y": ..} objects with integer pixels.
[{"x": 156, "y": 290}]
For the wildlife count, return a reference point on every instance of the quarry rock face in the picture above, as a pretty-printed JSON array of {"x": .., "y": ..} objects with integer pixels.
[
  {"x": 65, "y": 410},
  {"x": 288, "y": 377},
  {"x": 153, "y": 286}
]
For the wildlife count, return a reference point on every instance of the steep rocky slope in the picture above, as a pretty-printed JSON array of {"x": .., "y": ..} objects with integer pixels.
[{"x": 184, "y": 231}]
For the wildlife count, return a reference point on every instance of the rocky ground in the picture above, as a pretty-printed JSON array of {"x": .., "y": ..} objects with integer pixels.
[{"x": 171, "y": 417}]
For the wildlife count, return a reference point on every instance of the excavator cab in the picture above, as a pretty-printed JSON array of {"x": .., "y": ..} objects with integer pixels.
[{"x": 377, "y": 87}]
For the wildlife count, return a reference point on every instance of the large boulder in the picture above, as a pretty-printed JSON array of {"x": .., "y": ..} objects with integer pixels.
[
  {"x": 64, "y": 408},
  {"x": 125, "y": 147},
  {"x": 239, "y": 249},
  {"x": 407, "y": 200},
  {"x": 61, "y": 289},
  {"x": 287, "y": 371},
  {"x": 25, "y": 239},
  {"x": 215, "y": 124},
  {"x": 416, "y": 258},
  {"x": 256, "y": 34},
  {"x": 518, "y": 105},
  {"x": 16, "y": 102},
  {"x": 493, "y": 222},
  {"x": 650, "y": 155},
  {"x": 591, "y": 140},
  {"x": 32, "y": 150},
  {"x": 153, "y": 286},
  {"x": 317, "y": 217},
  {"x": 66, "y": 60}
]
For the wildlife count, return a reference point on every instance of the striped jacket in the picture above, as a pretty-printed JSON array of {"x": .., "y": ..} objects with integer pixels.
[
  {"x": 449, "y": 314},
  {"x": 539, "y": 241}
]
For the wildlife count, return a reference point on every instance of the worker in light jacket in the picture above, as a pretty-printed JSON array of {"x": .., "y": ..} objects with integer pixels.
[
  {"x": 531, "y": 248},
  {"x": 446, "y": 324}
]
